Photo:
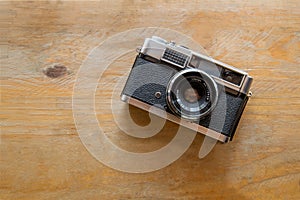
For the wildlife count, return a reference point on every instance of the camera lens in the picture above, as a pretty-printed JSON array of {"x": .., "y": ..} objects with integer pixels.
[{"x": 191, "y": 94}]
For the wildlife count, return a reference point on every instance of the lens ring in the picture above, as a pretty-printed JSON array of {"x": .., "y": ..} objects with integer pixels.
[{"x": 205, "y": 102}]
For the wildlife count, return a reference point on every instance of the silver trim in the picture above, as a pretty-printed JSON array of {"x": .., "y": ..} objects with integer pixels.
[
  {"x": 245, "y": 88},
  {"x": 239, "y": 88},
  {"x": 226, "y": 83},
  {"x": 193, "y": 126},
  {"x": 210, "y": 59},
  {"x": 155, "y": 47},
  {"x": 250, "y": 94}
]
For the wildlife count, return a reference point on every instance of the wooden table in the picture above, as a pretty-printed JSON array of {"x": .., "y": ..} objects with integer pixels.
[{"x": 42, "y": 156}]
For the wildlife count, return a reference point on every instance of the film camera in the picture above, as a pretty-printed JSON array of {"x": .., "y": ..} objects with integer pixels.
[{"x": 196, "y": 91}]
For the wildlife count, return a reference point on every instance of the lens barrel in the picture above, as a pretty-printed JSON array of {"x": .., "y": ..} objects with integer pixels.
[{"x": 191, "y": 94}]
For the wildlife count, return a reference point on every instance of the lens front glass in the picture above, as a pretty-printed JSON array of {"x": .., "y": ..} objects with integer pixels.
[
  {"x": 191, "y": 95},
  {"x": 193, "y": 91}
]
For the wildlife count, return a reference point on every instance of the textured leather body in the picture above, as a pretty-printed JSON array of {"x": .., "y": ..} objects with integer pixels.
[{"x": 146, "y": 78}]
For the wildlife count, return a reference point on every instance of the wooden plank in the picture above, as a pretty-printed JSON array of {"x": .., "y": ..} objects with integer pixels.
[{"x": 42, "y": 156}]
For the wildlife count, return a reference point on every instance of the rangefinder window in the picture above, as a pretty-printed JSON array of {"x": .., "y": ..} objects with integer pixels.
[
  {"x": 232, "y": 77},
  {"x": 195, "y": 61},
  {"x": 205, "y": 65}
]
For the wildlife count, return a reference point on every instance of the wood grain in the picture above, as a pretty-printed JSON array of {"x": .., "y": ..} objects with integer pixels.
[{"x": 42, "y": 156}]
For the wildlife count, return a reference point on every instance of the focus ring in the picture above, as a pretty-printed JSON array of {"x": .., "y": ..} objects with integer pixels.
[{"x": 185, "y": 109}]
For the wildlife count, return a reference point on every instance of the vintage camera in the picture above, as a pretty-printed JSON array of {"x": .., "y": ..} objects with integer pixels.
[{"x": 195, "y": 90}]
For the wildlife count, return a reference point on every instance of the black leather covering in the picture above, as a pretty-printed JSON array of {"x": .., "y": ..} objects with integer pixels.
[{"x": 146, "y": 78}]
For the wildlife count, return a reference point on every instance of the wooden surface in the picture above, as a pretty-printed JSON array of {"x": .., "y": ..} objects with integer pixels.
[{"x": 42, "y": 156}]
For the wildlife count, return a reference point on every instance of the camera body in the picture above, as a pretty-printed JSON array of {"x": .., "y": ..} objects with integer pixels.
[{"x": 196, "y": 91}]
